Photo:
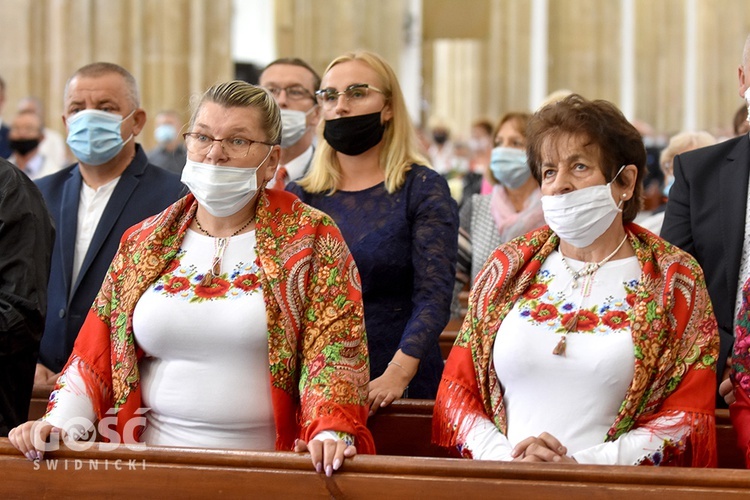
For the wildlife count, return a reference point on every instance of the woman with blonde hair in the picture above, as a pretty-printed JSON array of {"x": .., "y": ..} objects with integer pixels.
[{"x": 396, "y": 215}]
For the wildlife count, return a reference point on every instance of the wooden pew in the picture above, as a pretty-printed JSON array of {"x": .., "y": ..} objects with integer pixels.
[
  {"x": 404, "y": 428},
  {"x": 39, "y": 399},
  {"x": 201, "y": 473},
  {"x": 448, "y": 336}
]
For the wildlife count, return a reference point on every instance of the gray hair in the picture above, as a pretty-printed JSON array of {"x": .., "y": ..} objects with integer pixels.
[{"x": 97, "y": 69}]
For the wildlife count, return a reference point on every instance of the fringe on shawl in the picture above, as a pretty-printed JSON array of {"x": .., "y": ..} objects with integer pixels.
[
  {"x": 97, "y": 389},
  {"x": 698, "y": 447},
  {"x": 345, "y": 421},
  {"x": 456, "y": 409}
]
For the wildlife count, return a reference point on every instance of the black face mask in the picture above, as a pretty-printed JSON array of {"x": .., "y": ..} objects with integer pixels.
[
  {"x": 353, "y": 135},
  {"x": 23, "y": 146},
  {"x": 440, "y": 137}
]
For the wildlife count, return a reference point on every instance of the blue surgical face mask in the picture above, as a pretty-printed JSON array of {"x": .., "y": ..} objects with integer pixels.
[
  {"x": 509, "y": 167},
  {"x": 668, "y": 186},
  {"x": 165, "y": 133},
  {"x": 94, "y": 136}
]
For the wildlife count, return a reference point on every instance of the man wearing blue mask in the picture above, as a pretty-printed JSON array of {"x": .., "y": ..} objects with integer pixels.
[
  {"x": 170, "y": 152},
  {"x": 293, "y": 83},
  {"x": 112, "y": 187}
]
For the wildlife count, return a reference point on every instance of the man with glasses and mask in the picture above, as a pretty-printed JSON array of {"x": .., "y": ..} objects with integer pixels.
[
  {"x": 293, "y": 83},
  {"x": 93, "y": 202}
]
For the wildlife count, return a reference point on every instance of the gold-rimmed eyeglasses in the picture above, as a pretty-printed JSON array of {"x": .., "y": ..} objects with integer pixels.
[
  {"x": 328, "y": 98},
  {"x": 234, "y": 147}
]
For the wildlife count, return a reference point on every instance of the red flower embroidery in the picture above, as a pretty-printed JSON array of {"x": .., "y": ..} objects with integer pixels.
[
  {"x": 535, "y": 291},
  {"x": 247, "y": 282},
  {"x": 586, "y": 320},
  {"x": 217, "y": 288},
  {"x": 544, "y": 312},
  {"x": 616, "y": 320},
  {"x": 177, "y": 284},
  {"x": 630, "y": 299},
  {"x": 173, "y": 264}
]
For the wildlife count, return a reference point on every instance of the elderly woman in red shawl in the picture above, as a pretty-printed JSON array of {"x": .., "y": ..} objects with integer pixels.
[
  {"x": 589, "y": 340},
  {"x": 234, "y": 317}
]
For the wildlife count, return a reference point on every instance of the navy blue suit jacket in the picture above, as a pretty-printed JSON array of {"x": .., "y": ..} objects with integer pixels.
[
  {"x": 706, "y": 217},
  {"x": 143, "y": 190},
  {"x": 5, "y": 151}
]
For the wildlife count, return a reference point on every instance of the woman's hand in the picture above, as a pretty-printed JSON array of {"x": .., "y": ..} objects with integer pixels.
[
  {"x": 544, "y": 448},
  {"x": 726, "y": 388},
  {"x": 391, "y": 385},
  {"x": 29, "y": 438},
  {"x": 44, "y": 376},
  {"x": 326, "y": 455}
]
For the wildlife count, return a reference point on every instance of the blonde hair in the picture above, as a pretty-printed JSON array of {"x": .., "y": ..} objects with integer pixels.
[
  {"x": 682, "y": 143},
  {"x": 239, "y": 94},
  {"x": 399, "y": 150}
]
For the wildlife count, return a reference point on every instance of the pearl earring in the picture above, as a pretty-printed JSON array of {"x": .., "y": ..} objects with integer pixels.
[{"x": 624, "y": 195}]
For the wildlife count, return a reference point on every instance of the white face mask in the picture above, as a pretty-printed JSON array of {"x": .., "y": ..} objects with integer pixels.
[
  {"x": 293, "y": 126},
  {"x": 581, "y": 216},
  {"x": 222, "y": 191}
]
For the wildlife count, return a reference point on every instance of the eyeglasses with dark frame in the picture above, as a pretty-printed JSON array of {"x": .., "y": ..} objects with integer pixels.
[
  {"x": 293, "y": 92},
  {"x": 328, "y": 98},
  {"x": 234, "y": 147}
]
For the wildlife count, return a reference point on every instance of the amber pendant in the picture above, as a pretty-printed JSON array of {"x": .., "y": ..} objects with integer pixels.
[
  {"x": 208, "y": 278},
  {"x": 560, "y": 347}
]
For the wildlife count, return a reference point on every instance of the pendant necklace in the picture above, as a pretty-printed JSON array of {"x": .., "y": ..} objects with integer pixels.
[
  {"x": 588, "y": 269},
  {"x": 220, "y": 245}
]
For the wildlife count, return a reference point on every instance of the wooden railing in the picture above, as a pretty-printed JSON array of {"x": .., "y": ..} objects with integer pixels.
[
  {"x": 404, "y": 428},
  {"x": 205, "y": 473}
]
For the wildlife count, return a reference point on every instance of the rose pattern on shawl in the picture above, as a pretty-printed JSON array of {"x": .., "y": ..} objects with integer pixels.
[{"x": 741, "y": 349}]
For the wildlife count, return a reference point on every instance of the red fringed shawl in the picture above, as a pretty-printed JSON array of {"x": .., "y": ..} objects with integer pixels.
[
  {"x": 674, "y": 334},
  {"x": 318, "y": 358}
]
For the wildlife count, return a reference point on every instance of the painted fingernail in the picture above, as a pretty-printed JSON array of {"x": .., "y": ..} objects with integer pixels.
[
  {"x": 319, "y": 467},
  {"x": 29, "y": 455},
  {"x": 336, "y": 464},
  {"x": 38, "y": 454},
  {"x": 329, "y": 470}
]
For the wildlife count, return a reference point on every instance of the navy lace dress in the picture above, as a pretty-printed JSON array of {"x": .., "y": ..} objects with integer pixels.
[{"x": 405, "y": 246}]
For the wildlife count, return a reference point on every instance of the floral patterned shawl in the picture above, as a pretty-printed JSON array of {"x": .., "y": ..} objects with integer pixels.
[
  {"x": 740, "y": 410},
  {"x": 674, "y": 334},
  {"x": 318, "y": 358}
]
